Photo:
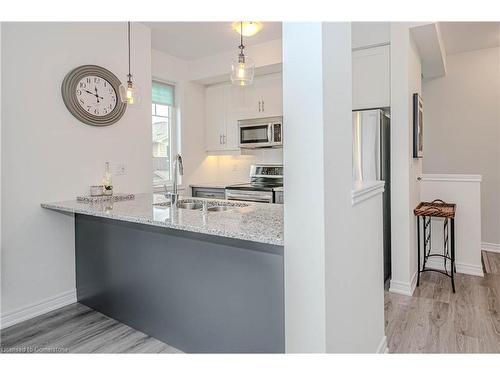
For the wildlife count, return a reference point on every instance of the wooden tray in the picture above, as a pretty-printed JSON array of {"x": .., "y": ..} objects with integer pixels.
[{"x": 436, "y": 208}]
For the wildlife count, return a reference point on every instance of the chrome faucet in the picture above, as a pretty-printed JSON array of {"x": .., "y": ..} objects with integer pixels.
[{"x": 178, "y": 170}]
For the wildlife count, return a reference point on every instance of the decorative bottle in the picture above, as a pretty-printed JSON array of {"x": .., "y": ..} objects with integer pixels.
[{"x": 107, "y": 181}]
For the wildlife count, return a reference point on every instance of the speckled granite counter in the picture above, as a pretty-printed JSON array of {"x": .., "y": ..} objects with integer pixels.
[{"x": 257, "y": 222}]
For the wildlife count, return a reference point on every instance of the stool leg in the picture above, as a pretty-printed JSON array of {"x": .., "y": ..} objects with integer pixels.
[
  {"x": 418, "y": 250},
  {"x": 452, "y": 268}
]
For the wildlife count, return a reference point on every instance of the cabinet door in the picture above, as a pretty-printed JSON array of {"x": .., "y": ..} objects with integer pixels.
[
  {"x": 215, "y": 128},
  {"x": 371, "y": 78},
  {"x": 237, "y": 109},
  {"x": 270, "y": 90}
]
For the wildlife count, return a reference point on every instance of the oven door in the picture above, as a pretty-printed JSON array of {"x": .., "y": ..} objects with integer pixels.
[
  {"x": 255, "y": 135},
  {"x": 249, "y": 196}
]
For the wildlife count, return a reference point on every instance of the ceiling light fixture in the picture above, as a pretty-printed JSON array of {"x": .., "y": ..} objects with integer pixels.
[
  {"x": 249, "y": 28},
  {"x": 129, "y": 92},
  {"x": 242, "y": 69}
]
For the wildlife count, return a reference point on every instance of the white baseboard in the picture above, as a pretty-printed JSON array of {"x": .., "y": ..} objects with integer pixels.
[
  {"x": 466, "y": 268},
  {"x": 10, "y": 318},
  {"x": 493, "y": 247},
  {"x": 382, "y": 347},
  {"x": 404, "y": 288}
]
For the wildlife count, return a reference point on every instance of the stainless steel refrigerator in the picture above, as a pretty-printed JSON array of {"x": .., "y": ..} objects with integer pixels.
[{"x": 372, "y": 161}]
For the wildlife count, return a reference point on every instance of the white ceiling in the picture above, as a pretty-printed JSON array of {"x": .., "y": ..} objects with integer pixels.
[
  {"x": 469, "y": 36},
  {"x": 194, "y": 40}
]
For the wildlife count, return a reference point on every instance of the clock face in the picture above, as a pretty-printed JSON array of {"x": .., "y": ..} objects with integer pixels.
[
  {"x": 96, "y": 95},
  {"x": 90, "y": 92}
]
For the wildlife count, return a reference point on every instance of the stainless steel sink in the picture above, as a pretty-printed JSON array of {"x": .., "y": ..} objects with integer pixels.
[
  {"x": 220, "y": 208},
  {"x": 190, "y": 205}
]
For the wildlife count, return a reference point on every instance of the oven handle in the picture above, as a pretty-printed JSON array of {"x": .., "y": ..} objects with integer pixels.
[{"x": 248, "y": 198}]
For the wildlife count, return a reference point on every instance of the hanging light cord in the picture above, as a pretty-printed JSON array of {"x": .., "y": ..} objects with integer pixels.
[
  {"x": 128, "y": 41},
  {"x": 241, "y": 57}
]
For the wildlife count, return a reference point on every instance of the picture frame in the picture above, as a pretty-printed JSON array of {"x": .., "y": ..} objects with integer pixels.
[{"x": 418, "y": 127}]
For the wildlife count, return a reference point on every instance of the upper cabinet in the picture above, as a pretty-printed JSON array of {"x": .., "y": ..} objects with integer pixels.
[
  {"x": 371, "y": 78},
  {"x": 226, "y": 104},
  {"x": 215, "y": 121}
]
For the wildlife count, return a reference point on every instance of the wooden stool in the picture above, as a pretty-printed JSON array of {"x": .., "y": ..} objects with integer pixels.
[{"x": 428, "y": 210}]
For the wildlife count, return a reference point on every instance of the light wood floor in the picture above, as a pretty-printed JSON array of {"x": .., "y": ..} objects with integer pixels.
[
  {"x": 435, "y": 320},
  {"x": 78, "y": 329}
]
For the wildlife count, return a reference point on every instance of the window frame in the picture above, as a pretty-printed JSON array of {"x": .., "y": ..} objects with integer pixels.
[{"x": 174, "y": 136}]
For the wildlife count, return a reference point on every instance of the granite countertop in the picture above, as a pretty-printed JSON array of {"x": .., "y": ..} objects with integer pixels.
[{"x": 257, "y": 222}]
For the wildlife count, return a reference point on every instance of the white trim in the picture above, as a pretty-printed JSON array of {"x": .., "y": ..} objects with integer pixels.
[
  {"x": 382, "y": 347},
  {"x": 20, "y": 315},
  {"x": 404, "y": 288},
  {"x": 375, "y": 45},
  {"x": 363, "y": 191},
  {"x": 465, "y": 268},
  {"x": 492, "y": 247},
  {"x": 451, "y": 177}
]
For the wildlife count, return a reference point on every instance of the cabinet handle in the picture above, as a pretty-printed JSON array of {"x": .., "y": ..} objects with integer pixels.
[
  {"x": 224, "y": 139},
  {"x": 220, "y": 139},
  {"x": 262, "y": 106},
  {"x": 259, "y": 105}
]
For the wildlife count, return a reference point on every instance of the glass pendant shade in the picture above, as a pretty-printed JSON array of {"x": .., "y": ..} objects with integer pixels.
[
  {"x": 130, "y": 93},
  {"x": 242, "y": 71}
]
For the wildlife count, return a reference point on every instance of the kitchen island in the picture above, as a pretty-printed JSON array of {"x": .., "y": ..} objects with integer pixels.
[{"x": 202, "y": 280}]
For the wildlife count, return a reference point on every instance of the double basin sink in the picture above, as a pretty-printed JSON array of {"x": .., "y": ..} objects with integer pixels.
[{"x": 192, "y": 204}]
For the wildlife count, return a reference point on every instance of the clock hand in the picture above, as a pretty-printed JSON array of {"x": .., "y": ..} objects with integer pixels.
[{"x": 97, "y": 96}]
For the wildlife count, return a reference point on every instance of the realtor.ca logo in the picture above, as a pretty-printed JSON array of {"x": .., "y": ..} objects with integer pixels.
[{"x": 32, "y": 349}]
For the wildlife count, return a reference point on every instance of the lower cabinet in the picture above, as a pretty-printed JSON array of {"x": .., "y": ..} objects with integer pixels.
[{"x": 213, "y": 193}]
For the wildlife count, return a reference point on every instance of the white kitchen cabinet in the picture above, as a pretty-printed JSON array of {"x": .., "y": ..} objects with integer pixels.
[
  {"x": 269, "y": 92},
  {"x": 215, "y": 102},
  {"x": 371, "y": 78},
  {"x": 226, "y": 104},
  {"x": 264, "y": 98}
]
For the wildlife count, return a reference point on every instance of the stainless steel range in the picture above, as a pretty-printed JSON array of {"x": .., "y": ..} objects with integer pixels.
[{"x": 265, "y": 179}]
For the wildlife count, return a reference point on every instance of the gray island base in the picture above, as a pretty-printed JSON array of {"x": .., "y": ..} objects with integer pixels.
[{"x": 200, "y": 293}]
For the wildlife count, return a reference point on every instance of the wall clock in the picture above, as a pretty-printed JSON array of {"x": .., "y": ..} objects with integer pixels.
[{"x": 90, "y": 93}]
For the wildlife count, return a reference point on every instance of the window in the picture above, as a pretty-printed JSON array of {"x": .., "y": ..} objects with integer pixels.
[{"x": 163, "y": 120}]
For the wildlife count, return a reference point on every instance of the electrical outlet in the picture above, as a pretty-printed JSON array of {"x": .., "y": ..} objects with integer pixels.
[{"x": 119, "y": 169}]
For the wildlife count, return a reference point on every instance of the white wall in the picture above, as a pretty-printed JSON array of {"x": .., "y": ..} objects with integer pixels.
[
  {"x": 462, "y": 127},
  {"x": 405, "y": 191},
  {"x": 48, "y": 155},
  {"x": 304, "y": 231},
  {"x": 353, "y": 235},
  {"x": 334, "y": 299}
]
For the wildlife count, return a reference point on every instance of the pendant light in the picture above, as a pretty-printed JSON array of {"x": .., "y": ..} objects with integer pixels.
[
  {"x": 129, "y": 92},
  {"x": 242, "y": 69}
]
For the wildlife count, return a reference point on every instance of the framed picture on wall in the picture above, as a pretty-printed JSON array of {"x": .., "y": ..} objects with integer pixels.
[{"x": 418, "y": 127}]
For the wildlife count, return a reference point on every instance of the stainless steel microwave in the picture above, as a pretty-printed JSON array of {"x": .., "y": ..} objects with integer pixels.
[{"x": 261, "y": 132}]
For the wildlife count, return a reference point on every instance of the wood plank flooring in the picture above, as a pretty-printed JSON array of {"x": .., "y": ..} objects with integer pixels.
[
  {"x": 78, "y": 329},
  {"x": 434, "y": 320}
]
